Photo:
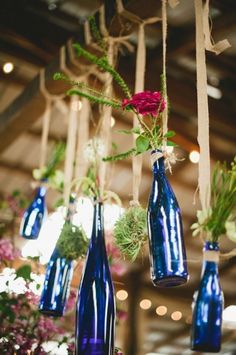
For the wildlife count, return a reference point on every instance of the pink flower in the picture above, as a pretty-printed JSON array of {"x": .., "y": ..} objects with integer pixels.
[
  {"x": 7, "y": 251},
  {"x": 70, "y": 305},
  {"x": 146, "y": 102}
]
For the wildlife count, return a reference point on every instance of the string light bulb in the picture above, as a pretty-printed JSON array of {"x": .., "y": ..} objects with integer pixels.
[
  {"x": 122, "y": 295},
  {"x": 194, "y": 156},
  {"x": 145, "y": 304},
  {"x": 177, "y": 315},
  {"x": 161, "y": 310},
  {"x": 8, "y": 67}
]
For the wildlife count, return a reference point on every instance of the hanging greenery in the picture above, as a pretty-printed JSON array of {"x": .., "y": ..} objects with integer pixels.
[
  {"x": 50, "y": 173},
  {"x": 130, "y": 231},
  {"x": 219, "y": 219},
  {"x": 147, "y": 106},
  {"x": 73, "y": 242}
]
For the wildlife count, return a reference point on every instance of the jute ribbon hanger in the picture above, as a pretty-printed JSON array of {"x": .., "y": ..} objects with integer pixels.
[
  {"x": 210, "y": 45},
  {"x": 105, "y": 131},
  {"x": 204, "y": 180},
  {"x": 78, "y": 131},
  {"x": 139, "y": 86},
  {"x": 46, "y": 117}
]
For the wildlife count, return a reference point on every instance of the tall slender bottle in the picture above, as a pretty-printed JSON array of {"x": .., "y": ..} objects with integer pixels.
[
  {"x": 166, "y": 242},
  {"x": 34, "y": 215},
  {"x": 95, "y": 314},
  {"x": 208, "y": 305}
]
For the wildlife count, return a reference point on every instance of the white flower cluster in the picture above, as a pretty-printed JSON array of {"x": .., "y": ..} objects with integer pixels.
[
  {"x": 11, "y": 283},
  {"x": 94, "y": 150}
]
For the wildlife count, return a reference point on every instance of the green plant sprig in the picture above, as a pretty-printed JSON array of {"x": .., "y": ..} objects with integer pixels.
[
  {"x": 97, "y": 35},
  {"x": 103, "y": 64},
  {"x": 130, "y": 232},
  {"x": 223, "y": 203},
  {"x": 73, "y": 242},
  {"x": 83, "y": 90},
  {"x": 94, "y": 99},
  {"x": 48, "y": 171}
]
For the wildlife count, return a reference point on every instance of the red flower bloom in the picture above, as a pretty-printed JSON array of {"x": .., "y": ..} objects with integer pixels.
[{"x": 146, "y": 102}]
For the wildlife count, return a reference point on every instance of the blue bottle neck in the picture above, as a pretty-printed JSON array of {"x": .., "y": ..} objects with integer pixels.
[
  {"x": 158, "y": 166},
  {"x": 210, "y": 266},
  {"x": 98, "y": 223},
  {"x": 41, "y": 191}
]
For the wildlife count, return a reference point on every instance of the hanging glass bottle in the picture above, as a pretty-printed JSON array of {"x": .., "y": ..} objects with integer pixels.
[
  {"x": 34, "y": 215},
  {"x": 95, "y": 316},
  {"x": 56, "y": 285},
  {"x": 208, "y": 305},
  {"x": 166, "y": 243}
]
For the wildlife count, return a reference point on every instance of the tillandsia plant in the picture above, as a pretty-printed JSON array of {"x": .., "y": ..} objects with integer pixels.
[
  {"x": 147, "y": 106},
  {"x": 130, "y": 232},
  {"x": 50, "y": 173},
  {"x": 219, "y": 219}
]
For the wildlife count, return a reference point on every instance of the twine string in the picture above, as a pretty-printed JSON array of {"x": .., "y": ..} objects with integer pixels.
[{"x": 164, "y": 37}]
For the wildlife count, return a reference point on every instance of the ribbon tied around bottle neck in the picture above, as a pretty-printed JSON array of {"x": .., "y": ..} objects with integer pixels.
[
  {"x": 169, "y": 158},
  {"x": 211, "y": 255}
]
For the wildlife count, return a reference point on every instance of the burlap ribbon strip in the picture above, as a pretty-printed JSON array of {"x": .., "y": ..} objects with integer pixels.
[
  {"x": 106, "y": 113},
  {"x": 70, "y": 149},
  {"x": 211, "y": 255},
  {"x": 164, "y": 37},
  {"x": 203, "y": 113},
  {"x": 218, "y": 47}
]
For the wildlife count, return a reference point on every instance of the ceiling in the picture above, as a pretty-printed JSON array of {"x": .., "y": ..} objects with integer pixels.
[{"x": 31, "y": 35}]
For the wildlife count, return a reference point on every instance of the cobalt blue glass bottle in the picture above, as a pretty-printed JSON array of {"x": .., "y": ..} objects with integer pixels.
[
  {"x": 95, "y": 313},
  {"x": 166, "y": 243},
  {"x": 34, "y": 215},
  {"x": 208, "y": 306},
  {"x": 56, "y": 285}
]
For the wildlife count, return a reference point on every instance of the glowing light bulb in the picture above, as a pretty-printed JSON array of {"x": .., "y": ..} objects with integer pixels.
[
  {"x": 8, "y": 67},
  {"x": 161, "y": 310},
  {"x": 113, "y": 121},
  {"x": 177, "y": 315},
  {"x": 145, "y": 304},
  {"x": 122, "y": 295},
  {"x": 194, "y": 156}
]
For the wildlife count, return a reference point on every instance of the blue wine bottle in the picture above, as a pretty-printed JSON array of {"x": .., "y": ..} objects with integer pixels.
[
  {"x": 56, "y": 285},
  {"x": 34, "y": 215},
  {"x": 95, "y": 313},
  {"x": 166, "y": 243},
  {"x": 208, "y": 307}
]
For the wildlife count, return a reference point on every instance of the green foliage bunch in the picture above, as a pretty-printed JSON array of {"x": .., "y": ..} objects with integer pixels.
[
  {"x": 130, "y": 231},
  {"x": 73, "y": 242},
  {"x": 219, "y": 219}
]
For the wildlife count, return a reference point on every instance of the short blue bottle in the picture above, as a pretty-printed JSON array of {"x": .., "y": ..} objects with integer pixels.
[
  {"x": 56, "y": 285},
  {"x": 208, "y": 307},
  {"x": 95, "y": 313},
  {"x": 34, "y": 215},
  {"x": 166, "y": 242}
]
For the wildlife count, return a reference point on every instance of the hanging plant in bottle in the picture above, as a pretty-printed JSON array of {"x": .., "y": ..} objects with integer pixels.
[
  {"x": 164, "y": 216},
  {"x": 95, "y": 314},
  {"x": 212, "y": 224},
  {"x": 71, "y": 245},
  {"x": 45, "y": 177}
]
